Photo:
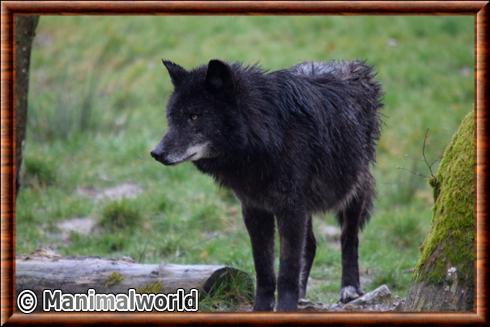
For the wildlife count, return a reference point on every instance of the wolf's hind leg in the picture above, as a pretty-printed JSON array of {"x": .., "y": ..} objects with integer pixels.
[
  {"x": 351, "y": 219},
  {"x": 308, "y": 256}
]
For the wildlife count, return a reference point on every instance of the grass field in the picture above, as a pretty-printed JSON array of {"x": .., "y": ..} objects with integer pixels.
[{"x": 96, "y": 108}]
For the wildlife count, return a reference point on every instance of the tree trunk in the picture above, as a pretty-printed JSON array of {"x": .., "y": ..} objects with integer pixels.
[
  {"x": 444, "y": 275},
  {"x": 78, "y": 274},
  {"x": 25, "y": 27}
]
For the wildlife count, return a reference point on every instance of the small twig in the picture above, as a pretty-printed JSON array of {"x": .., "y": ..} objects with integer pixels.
[
  {"x": 423, "y": 154},
  {"x": 425, "y": 160},
  {"x": 413, "y": 172},
  {"x": 434, "y": 162}
]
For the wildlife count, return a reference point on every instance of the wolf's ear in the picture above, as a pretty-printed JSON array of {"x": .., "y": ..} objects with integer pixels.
[
  {"x": 219, "y": 76},
  {"x": 176, "y": 72}
]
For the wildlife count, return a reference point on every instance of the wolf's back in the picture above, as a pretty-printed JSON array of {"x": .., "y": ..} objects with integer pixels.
[
  {"x": 359, "y": 82},
  {"x": 355, "y": 71}
]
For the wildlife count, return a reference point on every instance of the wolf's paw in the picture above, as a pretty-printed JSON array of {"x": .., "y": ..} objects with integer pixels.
[
  {"x": 349, "y": 293},
  {"x": 263, "y": 307},
  {"x": 264, "y": 304}
]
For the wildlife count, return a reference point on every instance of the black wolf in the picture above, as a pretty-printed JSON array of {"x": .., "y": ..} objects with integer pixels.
[{"x": 289, "y": 143}]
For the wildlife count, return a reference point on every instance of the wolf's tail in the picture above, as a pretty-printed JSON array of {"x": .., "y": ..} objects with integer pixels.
[{"x": 368, "y": 91}]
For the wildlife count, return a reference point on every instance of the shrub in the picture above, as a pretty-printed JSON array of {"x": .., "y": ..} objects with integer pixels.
[{"x": 119, "y": 215}]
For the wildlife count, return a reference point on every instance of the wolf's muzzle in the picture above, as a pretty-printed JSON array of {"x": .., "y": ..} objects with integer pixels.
[{"x": 160, "y": 156}]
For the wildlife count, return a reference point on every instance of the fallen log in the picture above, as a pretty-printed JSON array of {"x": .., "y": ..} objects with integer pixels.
[{"x": 76, "y": 275}]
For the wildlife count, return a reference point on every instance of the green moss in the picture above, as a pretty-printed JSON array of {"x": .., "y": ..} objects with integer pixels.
[
  {"x": 450, "y": 243},
  {"x": 113, "y": 279},
  {"x": 150, "y": 288}
]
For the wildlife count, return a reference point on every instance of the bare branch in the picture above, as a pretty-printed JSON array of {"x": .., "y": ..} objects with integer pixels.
[{"x": 424, "y": 156}]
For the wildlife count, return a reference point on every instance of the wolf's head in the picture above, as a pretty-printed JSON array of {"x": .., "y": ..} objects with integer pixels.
[{"x": 198, "y": 113}]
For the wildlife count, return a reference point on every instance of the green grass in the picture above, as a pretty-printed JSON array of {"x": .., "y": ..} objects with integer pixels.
[
  {"x": 120, "y": 215},
  {"x": 96, "y": 108}
]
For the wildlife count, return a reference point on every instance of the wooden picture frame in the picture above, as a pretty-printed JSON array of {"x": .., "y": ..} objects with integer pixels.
[{"x": 479, "y": 9}]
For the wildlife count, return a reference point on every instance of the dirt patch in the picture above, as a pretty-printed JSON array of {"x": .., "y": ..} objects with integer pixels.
[
  {"x": 121, "y": 191},
  {"x": 330, "y": 233},
  {"x": 88, "y": 225},
  {"x": 80, "y": 225}
]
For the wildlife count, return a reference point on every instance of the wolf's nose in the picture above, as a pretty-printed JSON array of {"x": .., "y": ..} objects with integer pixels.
[
  {"x": 160, "y": 157},
  {"x": 156, "y": 155}
]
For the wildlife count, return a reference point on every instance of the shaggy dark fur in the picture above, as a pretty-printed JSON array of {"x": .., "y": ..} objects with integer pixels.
[{"x": 289, "y": 143}]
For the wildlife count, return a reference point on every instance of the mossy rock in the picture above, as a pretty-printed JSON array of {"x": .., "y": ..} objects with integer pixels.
[{"x": 444, "y": 274}]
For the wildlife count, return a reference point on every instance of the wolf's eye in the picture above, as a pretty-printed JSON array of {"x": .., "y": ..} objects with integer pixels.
[{"x": 194, "y": 116}]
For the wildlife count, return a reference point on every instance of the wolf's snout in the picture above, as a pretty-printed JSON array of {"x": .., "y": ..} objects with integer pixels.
[
  {"x": 156, "y": 155},
  {"x": 159, "y": 156}
]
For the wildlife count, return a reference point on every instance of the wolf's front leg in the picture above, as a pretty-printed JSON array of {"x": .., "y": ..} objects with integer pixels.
[
  {"x": 260, "y": 226},
  {"x": 292, "y": 227}
]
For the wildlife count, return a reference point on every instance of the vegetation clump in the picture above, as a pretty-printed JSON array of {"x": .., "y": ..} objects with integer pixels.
[
  {"x": 38, "y": 172},
  {"x": 119, "y": 215},
  {"x": 150, "y": 288},
  {"x": 113, "y": 279}
]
